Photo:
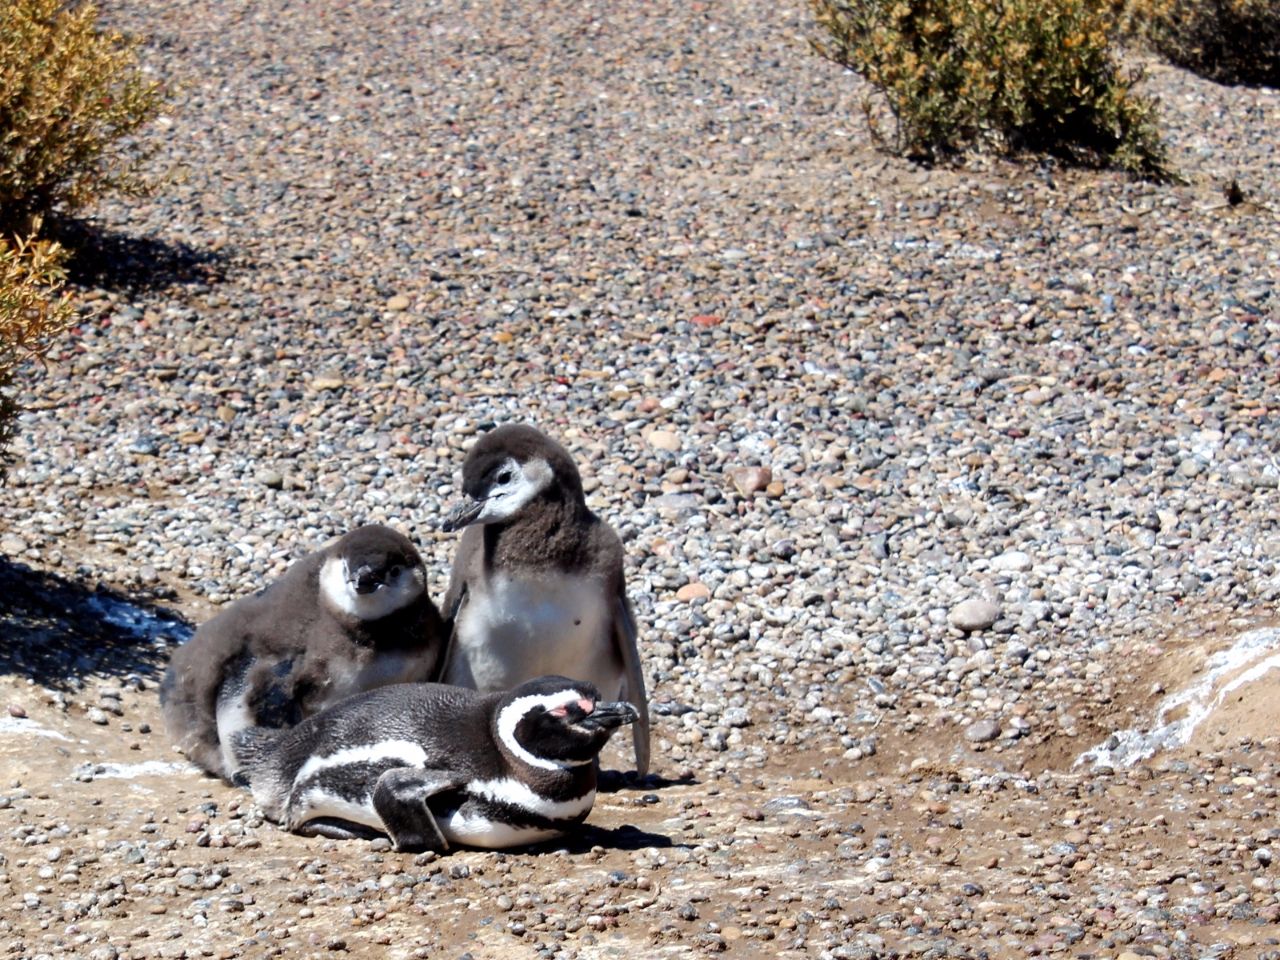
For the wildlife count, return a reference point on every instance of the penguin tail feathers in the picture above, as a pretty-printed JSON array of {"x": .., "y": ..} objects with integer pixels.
[
  {"x": 250, "y": 747},
  {"x": 253, "y": 751}
]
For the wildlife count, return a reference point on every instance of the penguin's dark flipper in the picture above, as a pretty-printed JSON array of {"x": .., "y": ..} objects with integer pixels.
[
  {"x": 624, "y": 638},
  {"x": 272, "y": 700},
  {"x": 456, "y": 600},
  {"x": 400, "y": 798}
]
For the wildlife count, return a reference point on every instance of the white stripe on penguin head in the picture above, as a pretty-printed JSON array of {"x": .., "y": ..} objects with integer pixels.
[
  {"x": 511, "y": 715},
  {"x": 505, "y": 500}
]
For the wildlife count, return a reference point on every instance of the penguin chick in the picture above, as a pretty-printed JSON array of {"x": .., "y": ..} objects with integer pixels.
[
  {"x": 350, "y": 617},
  {"x": 537, "y": 582},
  {"x": 433, "y": 766}
]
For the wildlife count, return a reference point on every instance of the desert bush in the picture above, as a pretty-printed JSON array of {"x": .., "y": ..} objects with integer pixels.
[
  {"x": 1133, "y": 16},
  {"x": 1006, "y": 75},
  {"x": 1230, "y": 41},
  {"x": 32, "y": 312},
  {"x": 71, "y": 95}
]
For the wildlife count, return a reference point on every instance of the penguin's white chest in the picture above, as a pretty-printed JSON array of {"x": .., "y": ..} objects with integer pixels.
[
  {"x": 512, "y": 629},
  {"x": 472, "y": 826}
]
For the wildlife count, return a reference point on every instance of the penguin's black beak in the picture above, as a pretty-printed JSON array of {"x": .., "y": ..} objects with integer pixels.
[
  {"x": 608, "y": 716},
  {"x": 366, "y": 580},
  {"x": 461, "y": 514}
]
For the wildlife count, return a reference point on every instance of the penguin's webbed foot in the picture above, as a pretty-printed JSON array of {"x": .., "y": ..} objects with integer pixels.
[
  {"x": 335, "y": 829},
  {"x": 400, "y": 799}
]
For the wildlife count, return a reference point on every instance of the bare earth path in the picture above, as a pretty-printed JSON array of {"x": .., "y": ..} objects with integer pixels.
[{"x": 931, "y": 481}]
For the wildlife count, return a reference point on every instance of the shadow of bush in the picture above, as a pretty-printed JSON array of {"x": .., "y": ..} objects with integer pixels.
[
  {"x": 117, "y": 261},
  {"x": 54, "y": 631}
]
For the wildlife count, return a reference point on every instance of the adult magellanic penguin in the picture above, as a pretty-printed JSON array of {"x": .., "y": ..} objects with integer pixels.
[
  {"x": 350, "y": 617},
  {"x": 435, "y": 766},
  {"x": 537, "y": 583}
]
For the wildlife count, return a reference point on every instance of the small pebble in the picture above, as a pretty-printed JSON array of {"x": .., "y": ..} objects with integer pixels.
[
  {"x": 693, "y": 591},
  {"x": 749, "y": 480},
  {"x": 974, "y": 614},
  {"x": 663, "y": 440},
  {"x": 982, "y": 731}
]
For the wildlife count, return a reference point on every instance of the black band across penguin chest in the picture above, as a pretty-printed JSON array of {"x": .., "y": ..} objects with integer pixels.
[
  {"x": 339, "y": 784},
  {"x": 505, "y": 812}
]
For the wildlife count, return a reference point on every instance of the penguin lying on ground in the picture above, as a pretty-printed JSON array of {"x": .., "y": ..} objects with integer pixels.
[
  {"x": 537, "y": 583},
  {"x": 433, "y": 766},
  {"x": 350, "y": 617}
]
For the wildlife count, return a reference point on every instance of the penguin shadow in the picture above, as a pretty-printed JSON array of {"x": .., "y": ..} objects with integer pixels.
[
  {"x": 117, "y": 261},
  {"x": 626, "y": 837},
  {"x": 55, "y": 630},
  {"x": 618, "y": 781}
]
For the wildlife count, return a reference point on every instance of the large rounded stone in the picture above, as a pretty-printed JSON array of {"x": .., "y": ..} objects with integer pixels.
[
  {"x": 982, "y": 731},
  {"x": 974, "y": 614}
]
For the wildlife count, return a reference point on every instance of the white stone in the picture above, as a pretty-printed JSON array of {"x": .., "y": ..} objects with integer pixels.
[
  {"x": 1011, "y": 561},
  {"x": 974, "y": 614}
]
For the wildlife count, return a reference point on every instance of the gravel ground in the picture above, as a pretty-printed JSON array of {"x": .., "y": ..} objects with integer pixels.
[{"x": 930, "y": 480}]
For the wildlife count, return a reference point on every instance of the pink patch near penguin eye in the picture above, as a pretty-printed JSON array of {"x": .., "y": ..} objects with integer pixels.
[
  {"x": 586, "y": 705},
  {"x": 559, "y": 711}
]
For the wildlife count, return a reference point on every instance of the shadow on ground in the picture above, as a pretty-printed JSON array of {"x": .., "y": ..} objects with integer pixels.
[
  {"x": 118, "y": 261},
  {"x": 53, "y": 630},
  {"x": 616, "y": 781},
  {"x": 625, "y": 837}
]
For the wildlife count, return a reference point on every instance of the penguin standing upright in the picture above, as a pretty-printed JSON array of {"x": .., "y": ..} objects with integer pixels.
[
  {"x": 434, "y": 766},
  {"x": 537, "y": 582},
  {"x": 350, "y": 617}
]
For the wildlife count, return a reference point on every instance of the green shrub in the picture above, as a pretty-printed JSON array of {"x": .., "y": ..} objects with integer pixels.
[
  {"x": 1005, "y": 75},
  {"x": 1230, "y": 41},
  {"x": 32, "y": 312},
  {"x": 70, "y": 97}
]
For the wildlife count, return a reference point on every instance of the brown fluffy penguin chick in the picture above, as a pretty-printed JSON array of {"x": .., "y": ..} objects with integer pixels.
[
  {"x": 350, "y": 617},
  {"x": 537, "y": 585}
]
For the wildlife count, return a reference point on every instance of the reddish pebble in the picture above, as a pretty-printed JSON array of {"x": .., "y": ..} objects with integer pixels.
[
  {"x": 693, "y": 591},
  {"x": 748, "y": 480}
]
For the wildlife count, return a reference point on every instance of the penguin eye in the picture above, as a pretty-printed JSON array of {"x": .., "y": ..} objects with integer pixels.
[
  {"x": 504, "y": 477},
  {"x": 394, "y": 571}
]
